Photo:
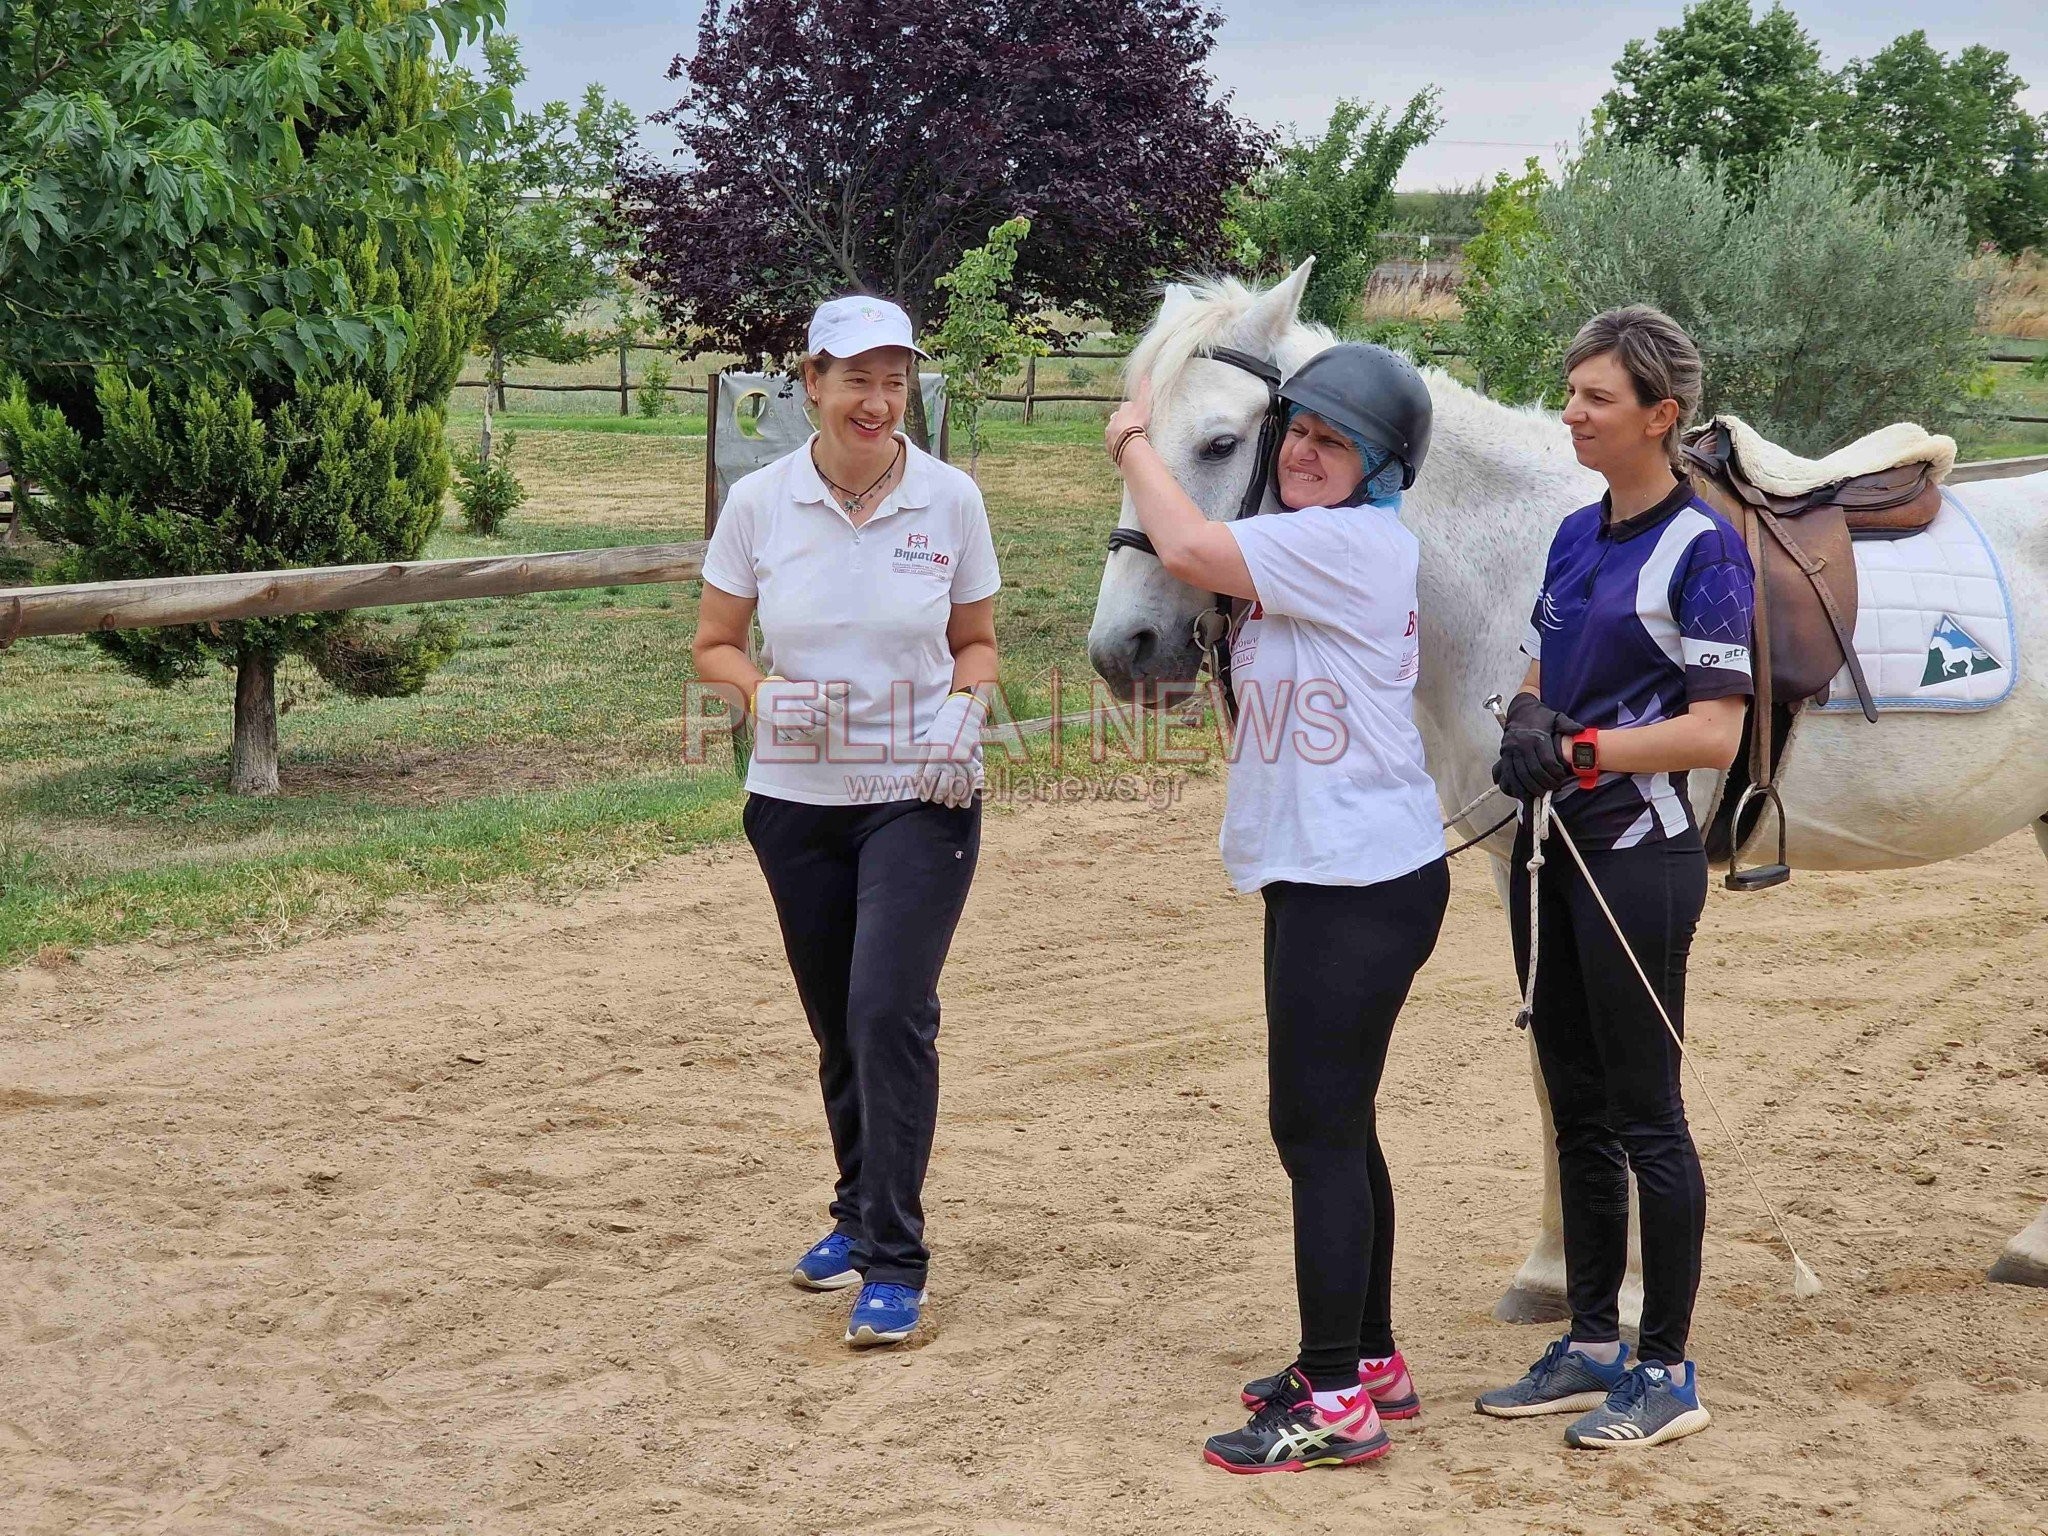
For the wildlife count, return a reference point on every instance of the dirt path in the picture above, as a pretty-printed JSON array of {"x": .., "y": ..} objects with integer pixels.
[{"x": 478, "y": 1223}]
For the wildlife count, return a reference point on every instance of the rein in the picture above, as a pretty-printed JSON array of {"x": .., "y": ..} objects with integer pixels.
[{"x": 1212, "y": 625}]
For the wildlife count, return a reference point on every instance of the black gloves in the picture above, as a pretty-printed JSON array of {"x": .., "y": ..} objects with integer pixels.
[{"x": 1530, "y": 762}]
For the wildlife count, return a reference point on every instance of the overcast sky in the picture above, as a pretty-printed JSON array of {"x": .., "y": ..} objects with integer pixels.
[{"x": 1517, "y": 79}]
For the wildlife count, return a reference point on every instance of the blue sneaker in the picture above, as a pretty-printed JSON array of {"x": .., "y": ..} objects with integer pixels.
[
  {"x": 1652, "y": 1404},
  {"x": 1561, "y": 1382},
  {"x": 828, "y": 1266},
  {"x": 884, "y": 1314}
]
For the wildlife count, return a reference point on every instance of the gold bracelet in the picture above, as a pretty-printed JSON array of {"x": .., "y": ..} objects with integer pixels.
[{"x": 1116, "y": 454}]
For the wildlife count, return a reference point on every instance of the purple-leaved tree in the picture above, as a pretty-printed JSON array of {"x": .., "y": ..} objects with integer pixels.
[{"x": 861, "y": 145}]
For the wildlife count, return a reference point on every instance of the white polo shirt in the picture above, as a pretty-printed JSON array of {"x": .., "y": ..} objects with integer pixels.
[
  {"x": 866, "y": 606},
  {"x": 1328, "y": 785}
]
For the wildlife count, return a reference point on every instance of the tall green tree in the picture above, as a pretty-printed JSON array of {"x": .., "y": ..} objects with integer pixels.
[
  {"x": 1329, "y": 195},
  {"x": 1504, "y": 327},
  {"x": 1910, "y": 115},
  {"x": 340, "y": 460},
  {"x": 540, "y": 217},
  {"x": 159, "y": 158},
  {"x": 1725, "y": 84}
]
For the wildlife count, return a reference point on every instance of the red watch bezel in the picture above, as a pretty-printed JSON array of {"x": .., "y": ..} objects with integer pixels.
[{"x": 1588, "y": 776}]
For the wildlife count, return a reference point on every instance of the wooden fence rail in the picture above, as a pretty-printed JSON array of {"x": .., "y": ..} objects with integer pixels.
[{"x": 83, "y": 607}]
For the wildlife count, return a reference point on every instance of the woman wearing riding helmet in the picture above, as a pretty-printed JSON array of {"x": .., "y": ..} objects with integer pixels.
[
  {"x": 1641, "y": 632},
  {"x": 1333, "y": 819}
]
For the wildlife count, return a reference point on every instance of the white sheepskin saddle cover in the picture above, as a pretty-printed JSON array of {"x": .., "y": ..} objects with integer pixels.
[
  {"x": 1783, "y": 473},
  {"x": 1934, "y": 624}
]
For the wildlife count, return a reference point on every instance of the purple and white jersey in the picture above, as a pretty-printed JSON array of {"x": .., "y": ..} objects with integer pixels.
[{"x": 1636, "y": 621}]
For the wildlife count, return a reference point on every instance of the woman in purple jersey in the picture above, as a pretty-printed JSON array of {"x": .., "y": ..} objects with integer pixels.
[{"x": 1638, "y": 670}]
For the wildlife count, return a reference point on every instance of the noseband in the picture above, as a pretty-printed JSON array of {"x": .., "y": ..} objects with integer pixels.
[{"x": 1212, "y": 624}]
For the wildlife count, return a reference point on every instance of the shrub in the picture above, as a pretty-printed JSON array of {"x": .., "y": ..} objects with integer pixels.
[
  {"x": 652, "y": 396},
  {"x": 1823, "y": 310},
  {"x": 487, "y": 489}
]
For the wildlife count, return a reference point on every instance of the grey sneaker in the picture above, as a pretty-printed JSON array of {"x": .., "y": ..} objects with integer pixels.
[
  {"x": 1561, "y": 1382},
  {"x": 1653, "y": 1404}
]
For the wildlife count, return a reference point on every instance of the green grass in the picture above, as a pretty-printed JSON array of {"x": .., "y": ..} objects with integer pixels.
[
  {"x": 326, "y": 861},
  {"x": 1976, "y": 447},
  {"x": 543, "y": 757},
  {"x": 463, "y": 423}
]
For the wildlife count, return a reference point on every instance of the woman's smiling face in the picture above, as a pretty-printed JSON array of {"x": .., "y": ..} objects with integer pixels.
[
  {"x": 1319, "y": 466},
  {"x": 861, "y": 399}
]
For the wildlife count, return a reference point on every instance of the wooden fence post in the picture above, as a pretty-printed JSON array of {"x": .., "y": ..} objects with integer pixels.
[
  {"x": 623, "y": 398},
  {"x": 1030, "y": 386}
]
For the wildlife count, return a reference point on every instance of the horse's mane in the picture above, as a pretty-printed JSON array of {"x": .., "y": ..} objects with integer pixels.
[
  {"x": 1209, "y": 312},
  {"x": 1206, "y": 313}
]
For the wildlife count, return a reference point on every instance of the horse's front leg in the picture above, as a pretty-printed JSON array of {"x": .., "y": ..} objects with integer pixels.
[{"x": 1538, "y": 1294}]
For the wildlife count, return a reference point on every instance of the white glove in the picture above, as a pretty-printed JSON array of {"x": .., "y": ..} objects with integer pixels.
[
  {"x": 950, "y": 751},
  {"x": 798, "y": 711}
]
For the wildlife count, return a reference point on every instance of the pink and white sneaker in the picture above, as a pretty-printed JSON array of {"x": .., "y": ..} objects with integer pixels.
[
  {"x": 1289, "y": 1433},
  {"x": 1393, "y": 1392}
]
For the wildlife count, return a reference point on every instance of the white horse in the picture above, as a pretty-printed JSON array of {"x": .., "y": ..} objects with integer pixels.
[{"x": 1912, "y": 789}]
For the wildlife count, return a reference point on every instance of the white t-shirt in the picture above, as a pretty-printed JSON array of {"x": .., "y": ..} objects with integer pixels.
[
  {"x": 866, "y": 607},
  {"x": 1328, "y": 786}
]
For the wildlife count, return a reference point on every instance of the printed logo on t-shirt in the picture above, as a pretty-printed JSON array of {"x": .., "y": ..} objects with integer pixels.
[{"x": 915, "y": 553}]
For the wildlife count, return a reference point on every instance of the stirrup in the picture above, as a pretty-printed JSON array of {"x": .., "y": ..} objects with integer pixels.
[{"x": 1763, "y": 876}]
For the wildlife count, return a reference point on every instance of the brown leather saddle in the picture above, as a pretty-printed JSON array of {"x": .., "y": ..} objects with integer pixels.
[{"x": 1805, "y": 616}]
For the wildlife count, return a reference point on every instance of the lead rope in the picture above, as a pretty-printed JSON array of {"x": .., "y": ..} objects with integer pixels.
[
  {"x": 1540, "y": 810},
  {"x": 1805, "y": 1283}
]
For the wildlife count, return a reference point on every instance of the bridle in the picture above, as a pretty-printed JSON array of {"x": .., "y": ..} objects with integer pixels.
[{"x": 1212, "y": 624}]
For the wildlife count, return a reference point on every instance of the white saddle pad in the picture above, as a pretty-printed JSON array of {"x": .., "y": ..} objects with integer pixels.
[{"x": 1934, "y": 625}]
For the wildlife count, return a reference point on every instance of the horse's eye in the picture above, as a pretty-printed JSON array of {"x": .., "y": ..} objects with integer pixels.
[{"x": 1219, "y": 448}]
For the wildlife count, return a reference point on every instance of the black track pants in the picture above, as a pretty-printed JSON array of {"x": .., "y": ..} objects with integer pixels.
[
  {"x": 1612, "y": 1072},
  {"x": 1339, "y": 962},
  {"x": 868, "y": 897}
]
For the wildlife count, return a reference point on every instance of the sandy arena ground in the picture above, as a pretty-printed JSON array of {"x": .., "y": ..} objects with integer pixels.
[{"x": 479, "y": 1223}]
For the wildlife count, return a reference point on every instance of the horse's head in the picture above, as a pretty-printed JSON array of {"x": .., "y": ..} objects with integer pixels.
[{"x": 1205, "y": 425}]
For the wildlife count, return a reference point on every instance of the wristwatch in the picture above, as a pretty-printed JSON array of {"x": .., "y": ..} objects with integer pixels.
[{"x": 1586, "y": 758}]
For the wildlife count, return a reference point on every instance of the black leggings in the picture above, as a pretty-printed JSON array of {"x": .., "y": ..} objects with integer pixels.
[
  {"x": 1612, "y": 1073},
  {"x": 1339, "y": 962},
  {"x": 868, "y": 897}
]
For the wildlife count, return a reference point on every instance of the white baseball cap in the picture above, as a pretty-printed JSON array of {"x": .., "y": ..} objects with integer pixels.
[{"x": 855, "y": 324}]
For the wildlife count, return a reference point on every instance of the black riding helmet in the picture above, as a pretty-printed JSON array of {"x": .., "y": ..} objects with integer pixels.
[{"x": 1371, "y": 393}]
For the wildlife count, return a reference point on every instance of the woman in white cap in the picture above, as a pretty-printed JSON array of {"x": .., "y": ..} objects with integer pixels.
[{"x": 874, "y": 575}]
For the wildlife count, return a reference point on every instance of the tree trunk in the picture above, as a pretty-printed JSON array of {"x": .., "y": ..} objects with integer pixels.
[
  {"x": 252, "y": 761},
  {"x": 497, "y": 374},
  {"x": 915, "y": 426}
]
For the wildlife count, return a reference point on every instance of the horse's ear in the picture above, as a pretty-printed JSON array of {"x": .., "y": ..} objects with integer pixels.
[{"x": 1273, "y": 314}]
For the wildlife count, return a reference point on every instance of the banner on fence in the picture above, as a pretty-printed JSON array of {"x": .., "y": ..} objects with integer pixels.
[{"x": 759, "y": 417}]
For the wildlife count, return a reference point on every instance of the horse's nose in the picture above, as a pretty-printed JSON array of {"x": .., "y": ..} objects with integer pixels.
[{"x": 1119, "y": 661}]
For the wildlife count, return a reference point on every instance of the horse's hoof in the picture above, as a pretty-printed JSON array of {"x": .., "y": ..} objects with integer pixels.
[
  {"x": 2018, "y": 1269},
  {"x": 1522, "y": 1304}
]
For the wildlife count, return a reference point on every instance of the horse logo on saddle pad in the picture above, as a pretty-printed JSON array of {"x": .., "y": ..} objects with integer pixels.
[{"x": 1952, "y": 652}]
